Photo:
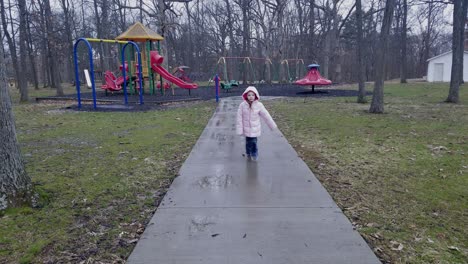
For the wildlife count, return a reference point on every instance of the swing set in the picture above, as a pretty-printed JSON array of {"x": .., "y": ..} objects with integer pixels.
[
  {"x": 91, "y": 67},
  {"x": 298, "y": 71},
  {"x": 247, "y": 68},
  {"x": 250, "y": 73}
]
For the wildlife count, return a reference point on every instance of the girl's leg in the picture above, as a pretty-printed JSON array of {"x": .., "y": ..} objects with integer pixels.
[
  {"x": 248, "y": 146},
  {"x": 254, "y": 149}
]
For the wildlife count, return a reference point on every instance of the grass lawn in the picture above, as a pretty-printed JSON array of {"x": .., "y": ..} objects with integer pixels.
[
  {"x": 400, "y": 177},
  {"x": 100, "y": 176}
]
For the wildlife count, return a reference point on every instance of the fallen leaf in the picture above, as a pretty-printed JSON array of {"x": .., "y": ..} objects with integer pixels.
[
  {"x": 377, "y": 249},
  {"x": 396, "y": 245},
  {"x": 454, "y": 248}
]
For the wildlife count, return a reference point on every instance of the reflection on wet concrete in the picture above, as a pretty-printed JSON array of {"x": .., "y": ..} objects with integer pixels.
[
  {"x": 200, "y": 223},
  {"x": 220, "y": 179},
  {"x": 215, "y": 181},
  {"x": 256, "y": 189},
  {"x": 251, "y": 170}
]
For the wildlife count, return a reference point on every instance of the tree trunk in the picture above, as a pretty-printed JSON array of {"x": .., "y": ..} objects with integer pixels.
[
  {"x": 190, "y": 45},
  {"x": 52, "y": 57},
  {"x": 377, "y": 105},
  {"x": 232, "y": 43},
  {"x": 10, "y": 40},
  {"x": 335, "y": 43},
  {"x": 427, "y": 37},
  {"x": 361, "y": 68},
  {"x": 326, "y": 55},
  {"x": 105, "y": 31},
  {"x": 99, "y": 31},
  {"x": 68, "y": 32},
  {"x": 32, "y": 58},
  {"x": 284, "y": 72},
  {"x": 245, "y": 38},
  {"x": 301, "y": 44},
  {"x": 457, "y": 48},
  {"x": 462, "y": 39},
  {"x": 22, "y": 81},
  {"x": 404, "y": 30},
  {"x": 141, "y": 10},
  {"x": 15, "y": 184},
  {"x": 311, "y": 30},
  {"x": 162, "y": 31}
]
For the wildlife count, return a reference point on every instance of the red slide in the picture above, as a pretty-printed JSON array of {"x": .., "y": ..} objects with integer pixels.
[{"x": 156, "y": 61}]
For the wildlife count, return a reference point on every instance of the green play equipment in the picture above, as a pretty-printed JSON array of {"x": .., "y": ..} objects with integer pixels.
[
  {"x": 298, "y": 68},
  {"x": 247, "y": 68}
]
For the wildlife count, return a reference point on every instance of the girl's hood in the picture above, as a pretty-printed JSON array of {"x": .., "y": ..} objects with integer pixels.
[{"x": 250, "y": 89}]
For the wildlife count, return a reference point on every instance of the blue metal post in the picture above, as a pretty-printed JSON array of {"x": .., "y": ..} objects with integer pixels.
[
  {"x": 217, "y": 87},
  {"x": 91, "y": 68},
  {"x": 140, "y": 77}
]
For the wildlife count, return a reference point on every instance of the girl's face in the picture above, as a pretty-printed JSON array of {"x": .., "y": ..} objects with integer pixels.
[{"x": 251, "y": 96}]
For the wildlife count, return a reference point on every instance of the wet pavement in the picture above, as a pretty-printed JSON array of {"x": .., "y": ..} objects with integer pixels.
[{"x": 223, "y": 209}]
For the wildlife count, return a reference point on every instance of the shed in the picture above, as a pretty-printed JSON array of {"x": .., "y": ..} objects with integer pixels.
[{"x": 439, "y": 68}]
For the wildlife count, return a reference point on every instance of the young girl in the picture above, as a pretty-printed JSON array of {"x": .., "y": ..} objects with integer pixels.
[{"x": 248, "y": 120}]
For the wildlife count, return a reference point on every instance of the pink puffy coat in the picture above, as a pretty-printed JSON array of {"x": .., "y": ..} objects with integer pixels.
[{"x": 248, "y": 116}]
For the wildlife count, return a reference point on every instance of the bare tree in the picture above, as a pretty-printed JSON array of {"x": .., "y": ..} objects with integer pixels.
[
  {"x": 311, "y": 29},
  {"x": 377, "y": 105},
  {"x": 67, "y": 13},
  {"x": 22, "y": 81},
  {"x": 10, "y": 40},
  {"x": 50, "y": 48},
  {"x": 31, "y": 55},
  {"x": 404, "y": 30},
  {"x": 245, "y": 6},
  {"x": 462, "y": 39},
  {"x": 361, "y": 70},
  {"x": 459, "y": 14},
  {"x": 189, "y": 33},
  {"x": 15, "y": 184},
  {"x": 198, "y": 33}
]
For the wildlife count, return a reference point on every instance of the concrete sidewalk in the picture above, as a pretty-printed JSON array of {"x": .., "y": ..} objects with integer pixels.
[{"x": 223, "y": 209}]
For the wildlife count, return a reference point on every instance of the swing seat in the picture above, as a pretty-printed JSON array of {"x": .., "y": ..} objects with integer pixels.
[
  {"x": 226, "y": 86},
  {"x": 229, "y": 85}
]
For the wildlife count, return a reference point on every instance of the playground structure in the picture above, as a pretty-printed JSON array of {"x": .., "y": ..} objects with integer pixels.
[
  {"x": 256, "y": 70},
  {"x": 145, "y": 37},
  {"x": 156, "y": 61},
  {"x": 249, "y": 74},
  {"x": 91, "y": 66},
  {"x": 298, "y": 68},
  {"x": 313, "y": 78},
  {"x": 139, "y": 67},
  {"x": 140, "y": 34},
  {"x": 180, "y": 72}
]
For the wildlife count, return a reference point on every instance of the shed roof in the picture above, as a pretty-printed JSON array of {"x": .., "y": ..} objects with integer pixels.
[
  {"x": 138, "y": 32},
  {"x": 443, "y": 54}
]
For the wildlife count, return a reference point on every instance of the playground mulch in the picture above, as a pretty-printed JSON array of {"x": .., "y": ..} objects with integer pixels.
[{"x": 177, "y": 96}]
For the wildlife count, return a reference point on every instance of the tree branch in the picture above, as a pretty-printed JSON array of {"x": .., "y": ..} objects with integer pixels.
[{"x": 346, "y": 18}]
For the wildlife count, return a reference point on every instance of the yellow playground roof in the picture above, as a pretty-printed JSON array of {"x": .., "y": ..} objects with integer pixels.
[{"x": 138, "y": 32}]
